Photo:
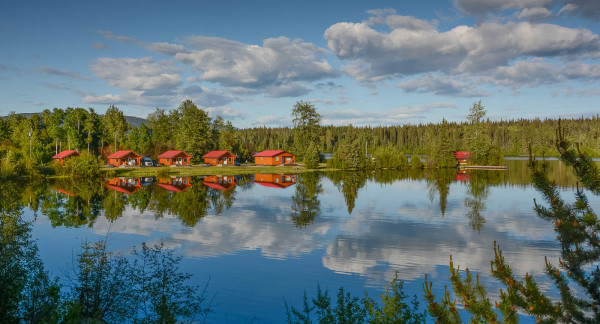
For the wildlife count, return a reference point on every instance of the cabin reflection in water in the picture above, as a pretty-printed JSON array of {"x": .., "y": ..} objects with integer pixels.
[
  {"x": 275, "y": 180},
  {"x": 125, "y": 185},
  {"x": 220, "y": 182},
  {"x": 176, "y": 184},
  {"x": 462, "y": 175}
]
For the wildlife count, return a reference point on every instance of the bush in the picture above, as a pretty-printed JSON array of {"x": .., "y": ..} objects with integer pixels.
[{"x": 83, "y": 166}]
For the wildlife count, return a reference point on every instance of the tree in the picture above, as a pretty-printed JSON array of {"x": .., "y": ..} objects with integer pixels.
[
  {"x": 312, "y": 157},
  {"x": 193, "y": 131},
  {"x": 307, "y": 126},
  {"x": 479, "y": 141},
  {"x": 115, "y": 125},
  {"x": 442, "y": 157}
]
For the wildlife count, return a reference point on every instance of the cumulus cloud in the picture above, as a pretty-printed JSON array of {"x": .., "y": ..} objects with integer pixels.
[
  {"x": 533, "y": 14},
  {"x": 278, "y": 63},
  {"x": 413, "y": 47},
  {"x": 226, "y": 112},
  {"x": 461, "y": 49},
  {"x": 537, "y": 72},
  {"x": 281, "y": 67},
  {"x": 480, "y": 8},
  {"x": 142, "y": 74},
  {"x": 442, "y": 85},
  {"x": 62, "y": 73}
]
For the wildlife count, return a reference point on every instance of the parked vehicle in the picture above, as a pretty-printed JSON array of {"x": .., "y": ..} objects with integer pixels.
[{"x": 146, "y": 161}]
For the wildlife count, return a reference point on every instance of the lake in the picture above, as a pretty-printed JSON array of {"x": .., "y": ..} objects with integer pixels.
[{"x": 261, "y": 239}]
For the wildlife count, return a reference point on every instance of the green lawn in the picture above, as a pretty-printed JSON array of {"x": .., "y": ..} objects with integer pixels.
[{"x": 204, "y": 170}]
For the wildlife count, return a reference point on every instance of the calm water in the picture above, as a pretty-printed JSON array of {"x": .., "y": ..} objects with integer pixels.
[{"x": 261, "y": 238}]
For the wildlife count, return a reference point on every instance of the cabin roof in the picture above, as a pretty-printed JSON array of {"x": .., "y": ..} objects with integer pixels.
[
  {"x": 215, "y": 185},
  {"x": 170, "y": 187},
  {"x": 274, "y": 185},
  {"x": 271, "y": 153},
  {"x": 461, "y": 154},
  {"x": 64, "y": 154},
  {"x": 171, "y": 154},
  {"x": 121, "y": 154},
  {"x": 216, "y": 154}
]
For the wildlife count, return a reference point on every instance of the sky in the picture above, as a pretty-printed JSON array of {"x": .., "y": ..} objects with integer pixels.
[{"x": 364, "y": 63}]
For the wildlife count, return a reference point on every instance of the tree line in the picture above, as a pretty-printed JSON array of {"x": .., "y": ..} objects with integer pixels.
[{"x": 30, "y": 142}]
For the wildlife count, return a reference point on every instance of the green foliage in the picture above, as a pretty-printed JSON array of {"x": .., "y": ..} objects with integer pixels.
[
  {"x": 114, "y": 126},
  {"x": 27, "y": 293},
  {"x": 416, "y": 162},
  {"x": 139, "y": 139},
  {"x": 311, "y": 157},
  {"x": 350, "y": 309},
  {"x": 192, "y": 132},
  {"x": 83, "y": 166},
  {"x": 307, "y": 128},
  {"x": 389, "y": 157},
  {"x": 441, "y": 155},
  {"x": 394, "y": 308},
  {"x": 164, "y": 296},
  {"x": 150, "y": 289}
]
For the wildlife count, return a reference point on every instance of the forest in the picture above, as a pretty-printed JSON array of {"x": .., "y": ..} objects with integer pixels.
[{"x": 28, "y": 143}]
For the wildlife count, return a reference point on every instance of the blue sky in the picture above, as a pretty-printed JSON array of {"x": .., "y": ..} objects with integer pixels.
[{"x": 377, "y": 63}]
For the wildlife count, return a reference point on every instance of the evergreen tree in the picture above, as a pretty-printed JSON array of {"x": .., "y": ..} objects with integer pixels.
[
  {"x": 307, "y": 128},
  {"x": 479, "y": 141}
]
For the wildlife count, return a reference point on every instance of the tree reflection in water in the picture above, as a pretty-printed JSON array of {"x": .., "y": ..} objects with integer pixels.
[{"x": 306, "y": 205}]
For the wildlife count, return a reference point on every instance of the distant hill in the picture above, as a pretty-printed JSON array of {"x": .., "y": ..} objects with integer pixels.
[{"x": 133, "y": 121}]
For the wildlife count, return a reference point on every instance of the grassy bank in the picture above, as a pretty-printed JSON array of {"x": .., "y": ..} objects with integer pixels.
[{"x": 202, "y": 170}]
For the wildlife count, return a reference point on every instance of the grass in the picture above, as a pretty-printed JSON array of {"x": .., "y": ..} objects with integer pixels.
[{"x": 205, "y": 170}]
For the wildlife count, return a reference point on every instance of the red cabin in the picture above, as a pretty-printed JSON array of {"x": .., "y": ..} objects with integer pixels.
[
  {"x": 462, "y": 157},
  {"x": 219, "y": 157},
  {"x": 274, "y": 157},
  {"x": 123, "y": 157},
  {"x": 275, "y": 180},
  {"x": 175, "y": 158},
  {"x": 219, "y": 182},
  {"x": 60, "y": 157}
]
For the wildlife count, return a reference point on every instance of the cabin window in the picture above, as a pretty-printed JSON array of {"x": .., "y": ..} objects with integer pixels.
[
  {"x": 276, "y": 180},
  {"x": 277, "y": 158},
  {"x": 229, "y": 180},
  {"x": 184, "y": 181},
  {"x": 185, "y": 160},
  {"x": 261, "y": 158}
]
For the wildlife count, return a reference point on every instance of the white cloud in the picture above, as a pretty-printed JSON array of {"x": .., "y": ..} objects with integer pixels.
[
  {"x": 137, "y": 74},
  {"x": 272, "y": 120},
  {"x": 461, "y": 49},
  {"x": 226, "y": 112},
  {"x": 480, "y": 8},
  {"x": 459, "y": 57},
  {"x": 278, "y": 63},
  {"x": 536, "y": 13},
  {"x": 442, "y": 85}
]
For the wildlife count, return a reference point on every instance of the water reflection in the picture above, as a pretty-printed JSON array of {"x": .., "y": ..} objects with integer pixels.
[
  {"x": 275, "y": 180},
  {"x": 327, "y": 225}
]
